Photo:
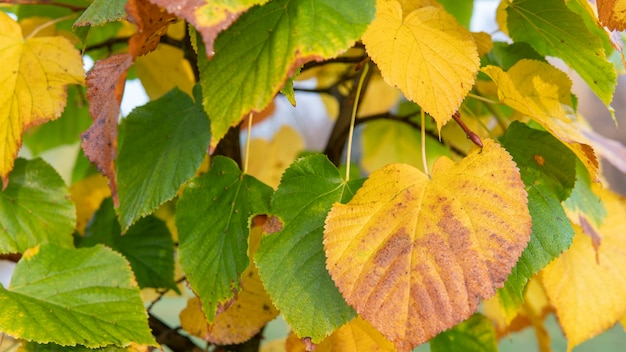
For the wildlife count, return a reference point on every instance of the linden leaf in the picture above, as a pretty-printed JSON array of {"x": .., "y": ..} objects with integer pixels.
[
  {"x": 212, "y": 217},
  {"x": 548, "y": 170},
  {"x": 209, "y": 17},
  {"x": 101, "y": 12},
  {"x": 70, "y": 296},
  {"x": 152, "y": 23},
  {"x": 425, "y": 53},
  {"x": 287, "y": 34},
  {"x": 34, "y": 74},
  {"x": 612, "y": 13},
  {"x": 579, "y": 285},
  {"x": 543, "y": 93},
  {"x": 414, "y": 254},
  {"x": 35, "y": 208},
  {"x": 105, "y": 87},
  {"x": 152, "y": 139},
  {"x": 554, "y": 30}
]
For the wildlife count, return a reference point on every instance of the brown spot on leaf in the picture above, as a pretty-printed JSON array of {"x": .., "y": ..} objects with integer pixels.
[{"x": 539, "y": 159}]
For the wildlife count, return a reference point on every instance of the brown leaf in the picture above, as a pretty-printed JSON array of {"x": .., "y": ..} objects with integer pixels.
[
  {"x": 151, "y": 21},
  {"x": 105, "y": 87}
]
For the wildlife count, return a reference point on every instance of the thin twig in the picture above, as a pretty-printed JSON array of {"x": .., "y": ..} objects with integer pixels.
[{"x": 468, "y": 133}]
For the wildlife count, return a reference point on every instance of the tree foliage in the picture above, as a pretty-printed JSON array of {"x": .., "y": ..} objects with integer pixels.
[{"x": 473, "y": 208}]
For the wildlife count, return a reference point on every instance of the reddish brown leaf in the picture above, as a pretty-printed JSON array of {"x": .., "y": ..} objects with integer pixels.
[
  {"x": 105, "y": 87},
  {"x": 208, "y": 26},
  {"x": 151, "y": 21}
]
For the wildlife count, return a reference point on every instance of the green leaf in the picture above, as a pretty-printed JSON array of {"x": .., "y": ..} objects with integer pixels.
[
  {"x": 212, "y": 217},
  {"x": 36, "y": 208},
  {"x": 476, "y": 334},
  {"x": 250, "y": 66},
  {"x": 461, "y": 9},
  {"x": 74, "y": 296},
  {"x": 162, "y": 144},
  {"x": 101, "y": 12},
  {"x": 548, "y": 170},
  {"x": 147, "y": 245},
  {"x": 292, "y": 263},
  {"x": 51, "y": 347},
  {"x": 554, "y": 30},
  {"x": 64, "y": 130},
  {"x": 583, "y": 199}
]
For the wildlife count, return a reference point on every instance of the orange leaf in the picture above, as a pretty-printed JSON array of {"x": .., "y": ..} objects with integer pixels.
[
  {"x": 105, "y": 87},
  {"x": 589, "y": 294},
  {"x": 612, "y": 13},
  {"x": 34, "y": 74},
  {"x": 152, "y": 23},
  {"x": 414, "y": 254}
]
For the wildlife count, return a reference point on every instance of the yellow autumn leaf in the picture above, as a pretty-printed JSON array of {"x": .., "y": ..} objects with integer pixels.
[
  {"x": 424, "y": 52},
  {"x": 87, "y": 194},
  {"x": 589, "y": 292},
  {"x": 484, "y": 43},
  {"x": 269, "y": 159},
  {"x": 156, "y": 80},
  {"x": 413, "y": 254},
  {"x": 34, "y": 74},
  {"x": 379, "y": 96},
  {"x": 245, "y": 316},
  {"x": 542, "y": 92},
  {"x": 357, "y": 335}
]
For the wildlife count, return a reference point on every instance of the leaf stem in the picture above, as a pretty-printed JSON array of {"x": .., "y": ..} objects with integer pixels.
[
  {"x": 49, "y": 23},
  {"x": 423, "y": 128},
  {"x": 483, "y": 99},
  {"x": 354, "y": 108},
  {"x": 468, "y": 133},
  {"x": 245, "y": 162}
]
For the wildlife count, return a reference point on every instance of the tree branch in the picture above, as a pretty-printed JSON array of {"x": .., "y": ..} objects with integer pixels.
[{"x": 165, "y": 335}]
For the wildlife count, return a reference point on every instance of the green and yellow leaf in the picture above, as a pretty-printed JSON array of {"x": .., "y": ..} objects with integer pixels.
[
  {"x": 74, "y": 296},
  {"x": 543, "y": 93},
  {"x": 413, "y": 254},
  {"x": 34, "y": 74}
]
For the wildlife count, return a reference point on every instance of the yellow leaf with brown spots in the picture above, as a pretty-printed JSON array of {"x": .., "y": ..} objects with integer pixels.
[
  {"x": 413, "y": 254},
  {"x": 422, "y": 50},
  {"x": 587, "y": 287},
  {"x": 612, "y": 13},
  {"x": 34, "y": 74}
]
